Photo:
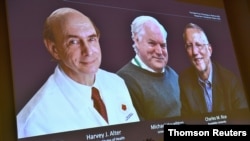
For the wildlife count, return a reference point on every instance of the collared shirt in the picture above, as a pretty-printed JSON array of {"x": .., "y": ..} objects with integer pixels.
[
  {"x": 62, "y": 104},
  {"x": 207, "y": 88}
]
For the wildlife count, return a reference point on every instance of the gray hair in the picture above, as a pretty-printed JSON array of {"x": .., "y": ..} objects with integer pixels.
[
  {"x": 194, "y": 26},
  {"x": 137, "y": 26}
]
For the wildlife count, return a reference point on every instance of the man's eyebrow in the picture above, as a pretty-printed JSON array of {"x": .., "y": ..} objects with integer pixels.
[
  {"x": 92, "y": 35},
  {"x": 75, "y": 36},
  {"x": 150, "y": 40},
  {"x": 71, "y": 36}
]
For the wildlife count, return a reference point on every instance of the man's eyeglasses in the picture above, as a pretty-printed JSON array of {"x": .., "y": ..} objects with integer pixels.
[{"x": 197, "y": 45}]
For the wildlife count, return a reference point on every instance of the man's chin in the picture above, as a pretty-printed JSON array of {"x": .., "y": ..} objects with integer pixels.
[
  {"x": 199, "y": 68},
  {"x": 158, "y": 69},
  {"x": 90, "y": 71}
]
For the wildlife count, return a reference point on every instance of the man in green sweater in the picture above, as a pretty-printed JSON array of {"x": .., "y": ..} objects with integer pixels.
[{"x": 153, "y": 84}]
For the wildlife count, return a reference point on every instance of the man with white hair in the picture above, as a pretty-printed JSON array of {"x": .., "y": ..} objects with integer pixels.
[{"x": 153, "y": 85}]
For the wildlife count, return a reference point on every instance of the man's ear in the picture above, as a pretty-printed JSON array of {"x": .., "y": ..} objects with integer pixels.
[
  {"x": 50, "y": 45},
  {"x": 210, "y": 49},
  {"x": 135, "y": 39}
]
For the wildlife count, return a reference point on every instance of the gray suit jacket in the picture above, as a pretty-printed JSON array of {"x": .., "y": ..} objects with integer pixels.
[{"x": 227, "y": 92}]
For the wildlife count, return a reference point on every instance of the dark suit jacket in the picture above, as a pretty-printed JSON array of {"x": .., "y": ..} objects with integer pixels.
[{"x": 227, "y": 91}]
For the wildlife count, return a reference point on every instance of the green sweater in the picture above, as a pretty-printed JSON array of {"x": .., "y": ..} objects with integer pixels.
[{"x": 154, "y": 95}]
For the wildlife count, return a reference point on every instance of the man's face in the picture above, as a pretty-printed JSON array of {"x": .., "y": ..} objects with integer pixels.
[
  {"x": 77, "y": 45},
  {"x": 198, "y": 49},
  {"x": 152, "y": 47}
]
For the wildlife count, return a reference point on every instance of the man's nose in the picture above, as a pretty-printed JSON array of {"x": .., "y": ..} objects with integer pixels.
[
  {"x": 158, "y": 49},
  {"x": 86, "y": 49},
  {"x": 195, "y": 49}
]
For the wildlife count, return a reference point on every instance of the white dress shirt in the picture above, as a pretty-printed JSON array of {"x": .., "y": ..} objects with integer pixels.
[{"x": 62, "y": 105}]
